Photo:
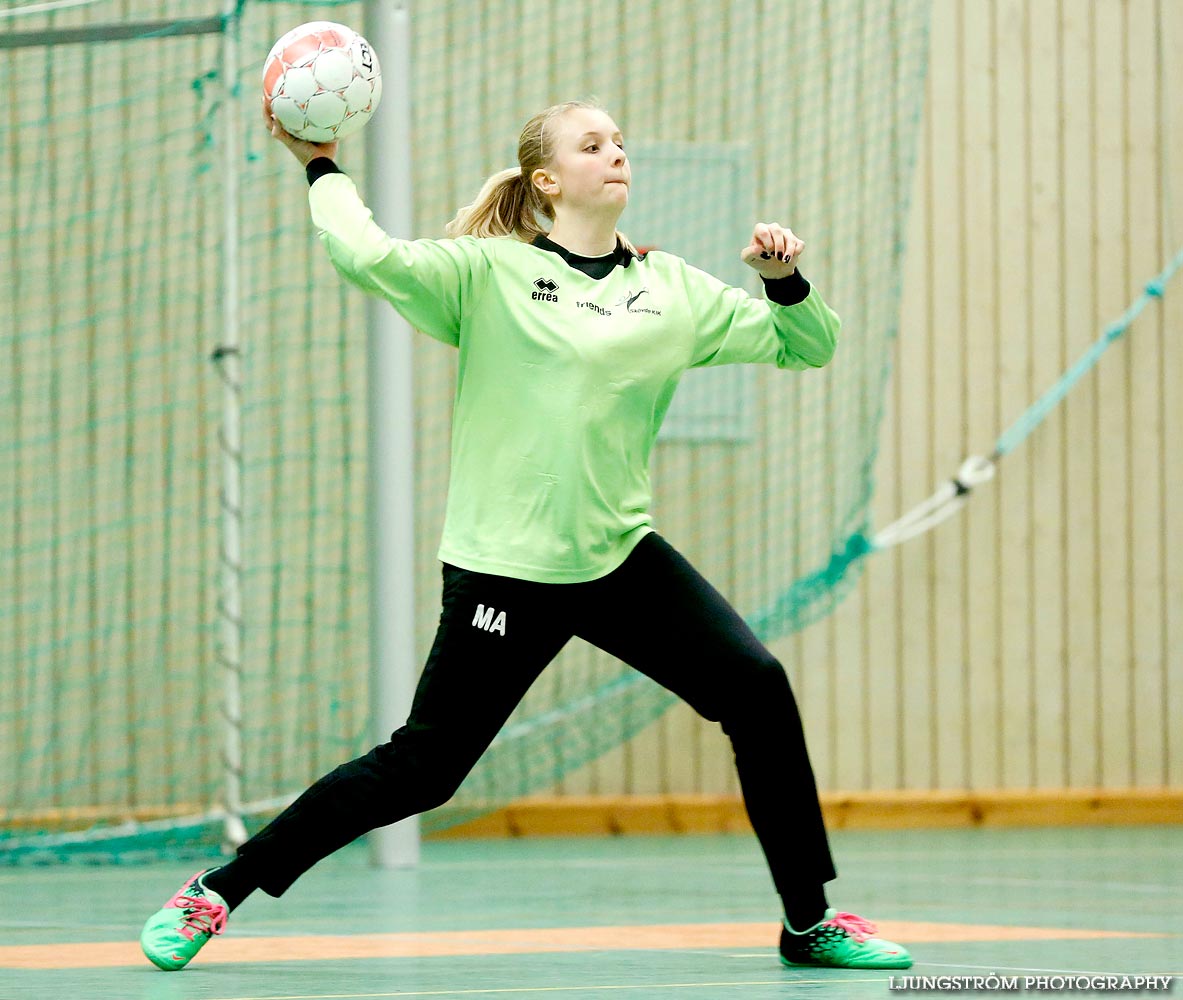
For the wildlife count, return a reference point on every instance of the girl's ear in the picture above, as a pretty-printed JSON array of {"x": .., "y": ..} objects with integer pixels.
[{"x": 545, "y": 183}]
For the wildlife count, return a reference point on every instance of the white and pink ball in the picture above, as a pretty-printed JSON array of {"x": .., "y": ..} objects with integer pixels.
[{"x": 322, "y": 82}]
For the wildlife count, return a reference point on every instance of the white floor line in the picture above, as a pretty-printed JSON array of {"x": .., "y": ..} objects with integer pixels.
[
  {"x": 519, "y": 990},
  {"x": 1023, "y": 968}
]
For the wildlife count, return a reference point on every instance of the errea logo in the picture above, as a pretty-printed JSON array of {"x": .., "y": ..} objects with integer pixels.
[{"x": 545, "y": 290}]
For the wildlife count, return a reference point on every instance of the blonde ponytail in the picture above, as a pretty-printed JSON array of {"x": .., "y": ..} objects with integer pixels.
[{"x": 508, "y": 203}]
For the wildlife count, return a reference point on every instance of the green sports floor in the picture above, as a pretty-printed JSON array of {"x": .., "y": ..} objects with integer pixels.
[{"x": 646, "y": 917}]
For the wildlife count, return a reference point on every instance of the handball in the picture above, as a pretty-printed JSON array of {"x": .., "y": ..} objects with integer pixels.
[{"x": 321, "y": 81}]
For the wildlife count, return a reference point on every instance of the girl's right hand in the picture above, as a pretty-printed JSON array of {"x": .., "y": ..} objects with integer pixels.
[
  {"x": 773, "y": 250},
  {"x": 302, "y": 150}
]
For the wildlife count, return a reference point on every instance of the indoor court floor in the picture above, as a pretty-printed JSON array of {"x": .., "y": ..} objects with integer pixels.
[{"x": 640, "y": 917}]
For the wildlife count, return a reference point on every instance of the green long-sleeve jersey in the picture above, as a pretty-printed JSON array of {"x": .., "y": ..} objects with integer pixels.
[{"x": 563, "y": 378}]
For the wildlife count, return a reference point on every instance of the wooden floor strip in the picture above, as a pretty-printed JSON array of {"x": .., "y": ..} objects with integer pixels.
[{"x": 508, "y": 942}]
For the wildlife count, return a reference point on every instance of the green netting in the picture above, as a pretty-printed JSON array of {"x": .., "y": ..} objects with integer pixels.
[{"x": 111, "y": 456}]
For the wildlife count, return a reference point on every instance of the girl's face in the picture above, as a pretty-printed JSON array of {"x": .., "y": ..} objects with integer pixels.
[{"x": 589, "y": 171}]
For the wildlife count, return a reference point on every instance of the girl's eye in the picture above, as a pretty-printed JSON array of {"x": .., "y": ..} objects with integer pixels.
[{"x": 591, "y": 149}]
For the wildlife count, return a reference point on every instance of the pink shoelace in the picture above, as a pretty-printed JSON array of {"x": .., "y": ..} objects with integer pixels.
[
  {"x": 855, "y": 926},
  {"x": 200, "y": 915}
]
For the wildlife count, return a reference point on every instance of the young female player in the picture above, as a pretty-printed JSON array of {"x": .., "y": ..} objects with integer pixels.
[{"x": 571, "y": 345}]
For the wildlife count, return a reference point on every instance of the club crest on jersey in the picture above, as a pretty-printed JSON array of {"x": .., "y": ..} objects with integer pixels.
[
  {"x": 545, "y": 290},
  {"x": 631, "y": 304}
]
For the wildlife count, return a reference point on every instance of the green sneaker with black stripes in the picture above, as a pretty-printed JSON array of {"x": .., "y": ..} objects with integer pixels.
[{"x": 841, "y": 941}]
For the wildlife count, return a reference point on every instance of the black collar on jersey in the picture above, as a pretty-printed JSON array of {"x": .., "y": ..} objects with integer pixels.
[{"x": 593, "y": 267}]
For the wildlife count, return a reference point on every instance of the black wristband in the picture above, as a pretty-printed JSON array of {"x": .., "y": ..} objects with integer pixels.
[
  {"x": 787, "y": 291},
  {"x": 318, "y": 167}
]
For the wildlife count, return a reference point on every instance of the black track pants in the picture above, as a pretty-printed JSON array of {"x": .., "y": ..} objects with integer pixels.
[{"x": 496, "y": 635}]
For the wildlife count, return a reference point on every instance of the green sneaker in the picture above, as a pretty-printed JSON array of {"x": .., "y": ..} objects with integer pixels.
[
  {"x": 841, "y": 941},
  {"x": 177, "y": 931}
]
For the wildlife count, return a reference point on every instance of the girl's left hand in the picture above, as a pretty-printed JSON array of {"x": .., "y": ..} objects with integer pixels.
[{"x": 773, "y": 251}]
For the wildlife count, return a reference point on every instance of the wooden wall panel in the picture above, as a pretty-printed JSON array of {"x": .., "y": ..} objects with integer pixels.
[
  {"x": 1013, "y": 278},
  {"x": 1170, "y": 529},
  {"x": 1035, "y": 641},
  {"x": 931, "y": 285},
  {"x": 1111, "y": 578},
  {"x": 1042, "y": 234},
  {"x": 1144, "y": 427},
  {"x": 1078, "y": 250}
]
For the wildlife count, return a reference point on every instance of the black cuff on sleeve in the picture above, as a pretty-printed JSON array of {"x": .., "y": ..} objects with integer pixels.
[
  {"x": 787, "y": 291},
  {"x": 318, "y": 167}
]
